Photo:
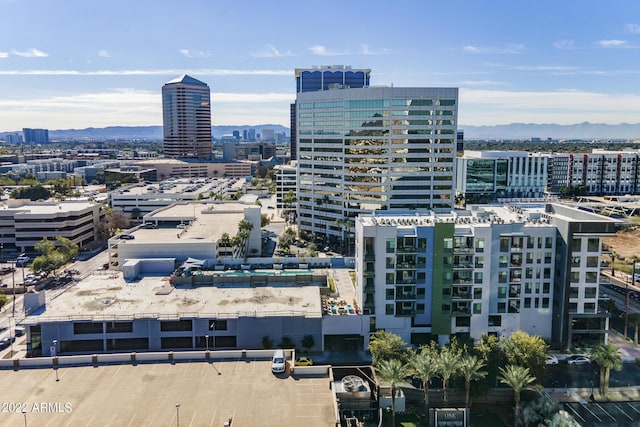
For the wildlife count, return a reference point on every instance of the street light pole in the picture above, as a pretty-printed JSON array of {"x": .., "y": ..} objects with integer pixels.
[
  {"x": 177, "y": 415},
  {"x": 206, "y": 337},
  {"x": 626, "y": 310},
  {"x": 24, "y": 413}
]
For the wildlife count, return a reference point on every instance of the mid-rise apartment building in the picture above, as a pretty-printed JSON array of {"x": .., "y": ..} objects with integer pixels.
[
  {"x": 491, "y": 270},
  {"x": 371, "y": 149}
]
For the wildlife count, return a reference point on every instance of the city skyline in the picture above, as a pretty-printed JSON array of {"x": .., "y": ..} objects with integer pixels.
[{"x": 80, "y": 65}]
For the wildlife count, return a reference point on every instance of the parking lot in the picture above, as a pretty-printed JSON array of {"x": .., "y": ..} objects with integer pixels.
[
  {"x": 147, "y": 395},
  {"x": 618, "y": 414}
]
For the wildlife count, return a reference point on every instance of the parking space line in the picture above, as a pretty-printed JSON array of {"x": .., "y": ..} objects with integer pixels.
[
  {"x": 575, "y": 412},
  {"x": 131, "y": 422},
  {"x": 633, "y": 407},
  {"x": 625, "y": 414},
  {"x": 605, "y": 411},
  {"x": 213, "y": 417},
  {"x": 112, "y": 418},
  {"x": 193, "y": 417},
  {"x": 589, "y": 411}
]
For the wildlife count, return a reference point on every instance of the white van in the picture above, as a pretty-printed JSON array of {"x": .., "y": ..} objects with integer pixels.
[{"x": 278, "y": 363}]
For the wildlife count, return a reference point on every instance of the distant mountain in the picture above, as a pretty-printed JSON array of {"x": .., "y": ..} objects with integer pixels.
[
  {"x": 584, "y": 131},
  {"x": 148, "y": 132}
]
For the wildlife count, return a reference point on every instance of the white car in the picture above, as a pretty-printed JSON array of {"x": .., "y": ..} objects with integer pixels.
[
  {"x": 578, "y": 360},
  {"x": 551, "y": 360}
]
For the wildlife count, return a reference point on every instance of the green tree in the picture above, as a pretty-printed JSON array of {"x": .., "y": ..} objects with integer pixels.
[
  {"x": 490, "y": 351},
  {"x": 135, "y": 213},
  {"x": 225, "y": 240},
  {"x": 264, "y": 220},
  {"x": 67, "y": 248},
  {"x": 267, "y": 343},
  {"x": 45, "y": 246},
  {"x": 448, "y": 364},
  {"x": 634, "y": 319},
  {"x": 386, "y": 346},
  {"x": 112, "y": 222},
  {"x": 607, "y": 356},
  {"x": 423, "y": 365},
  {"x": 613, "y": 255},
  {"x": 393, "y": 372},
  {"x": 308, "y": 341},
  {"x": 519, "y": 379},
  {"x": 526, "y": 350},
  {"x": 535, "y": 412},
  {"x": 471, "y": 370},
  {"x": 34, "y": 192},
  {"x": 3, "y": 300}
]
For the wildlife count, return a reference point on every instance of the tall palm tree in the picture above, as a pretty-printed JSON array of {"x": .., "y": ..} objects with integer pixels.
[
  {"x": 448, "y": 364},
  {"x": 470, "y": 370},
  {"x": 607, "y": 356},
  {"x": 424, "y": 366},
  {"x": 393, "y": 372},
  {"x": 634, "y": 318},
  {"x": 518, "y": 378}
]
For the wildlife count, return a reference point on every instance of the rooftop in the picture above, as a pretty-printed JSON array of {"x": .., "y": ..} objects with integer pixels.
[
  {"x": 109, "y": 296},
  {"x": 186, "y": 79}
]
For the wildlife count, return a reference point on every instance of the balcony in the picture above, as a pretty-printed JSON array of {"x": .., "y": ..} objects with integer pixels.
[
  {"x": 406, "y": 313},
  {"x": 406, "y": 296},
  {"x": 463, "y": 266},
  {"x": 406, "y": 250},
  {"x": 463, "y": 249},
  {"x": 405, "y": 266},
  {"x": 460, "y": 295},
  {"x": 369, "y": 256},
  {"x": 368, "y": 273},
  {"x": 406, "y": 281}
]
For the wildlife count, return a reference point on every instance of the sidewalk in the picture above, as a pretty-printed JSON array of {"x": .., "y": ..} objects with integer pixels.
[{"x": 628, "y": 351}]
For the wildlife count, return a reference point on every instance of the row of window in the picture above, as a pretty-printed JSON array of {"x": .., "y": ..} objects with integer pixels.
[{"x": 80, "y": 328}]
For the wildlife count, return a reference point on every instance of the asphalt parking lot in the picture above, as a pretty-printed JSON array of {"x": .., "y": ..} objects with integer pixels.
[{"x": 147, "y": 394}]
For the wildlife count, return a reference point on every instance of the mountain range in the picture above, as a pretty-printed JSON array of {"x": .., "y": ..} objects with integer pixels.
[{"x": 581, "y": 131}]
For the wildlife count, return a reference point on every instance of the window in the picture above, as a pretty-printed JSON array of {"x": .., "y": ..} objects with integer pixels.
[
  {"x": 446, "y": 292},
  {"x": 480, "y": 244},
  {"x": 575, "y": 261},
  {"x": 591, "y": 277},
  {"x": 546, "y": 287},
  {"x": 463, "y": 321},
  {"x": 527, "y": 302},
  {"x": 477, "y": 277},
  {"x": 448, "y": 243},
  {"x": 419, "y": 308},
  {"x": 575, "y": 277},
  {"x": 589, "y": 307},
  {"x": 116, "y": 327},
  {"x": 175, "y": 325},
  {"x": 548, "y": 242},
  {"x": 495, "y": 320},
  {"x": 527, "y": 288},
  {"x": 593, "y": 244},
  {"x": 390, "y": 262},
  {"x": 592, "y": 261},
  {"x": 388, "y": 309},
  {"x": 503, "y": 261},
  {"x": 477, "y": 308},
  {"x": 590, "y": 292},
  {"x": 502, "y": 307},
  {"x": 422, "y": 244},
  {"x": 502, "y": 292},
  {"x": 479, "y": 261},
  {"x": 391, "y": 246},
  {"x": 502, "y": 277},
  {"x": 389, "y": 278},
  {"x": 545, "y": 302},
  {"x": 446, "y": 308},
  {"x": 389, "y": 294},
  {"x": 87, "y": 328},
  {"x": 576, "y": 245},
  {"x": 422, "y": 262},
  {"x": 504, "y": 244},
  {"x": 477, "y": 293}
]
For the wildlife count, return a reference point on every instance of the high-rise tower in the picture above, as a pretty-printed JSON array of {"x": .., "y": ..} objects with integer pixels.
[
  {"x": 186, "y": 114},
  {"x": 324, "y": 78}
]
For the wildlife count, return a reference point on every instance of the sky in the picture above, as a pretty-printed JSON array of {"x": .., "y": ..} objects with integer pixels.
[{"x": 73, "y": 64}]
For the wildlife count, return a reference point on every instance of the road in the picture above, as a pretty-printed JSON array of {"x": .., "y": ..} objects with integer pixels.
[{"x": 582, "y": 375}]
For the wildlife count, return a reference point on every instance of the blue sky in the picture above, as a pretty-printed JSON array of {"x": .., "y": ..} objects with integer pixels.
[{"x": 88, "y": 63}]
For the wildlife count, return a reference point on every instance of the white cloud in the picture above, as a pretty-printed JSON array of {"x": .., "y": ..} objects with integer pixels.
[
  {"x": 191, "y": 53},
  {"x": 160, "y": 72},
  {"x": 323, "y": 51},
  {"x": 367, "y": 51},
  {"x": 103, "y": 53},
  {"x": 31, "y": 53},
  {"x": 633, "y": 28},
  {"x": 270, "y": 51},
  {"x": 506, "y": 49},
  {"x": 490, "y": 107},
  {"x": 612, "y": 43},
  {"x": 4, "y": 55},
  {"x": 131, "y": 107},
  {"x": 563, "y": 44}
]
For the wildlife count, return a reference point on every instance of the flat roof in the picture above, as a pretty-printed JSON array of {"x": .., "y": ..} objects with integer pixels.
[
  {"x": 147, "y": 395},
  {"x": 191, "y": 187},
  {"x": 48, "y": 208},
  {"x": 108, "y": 296}
]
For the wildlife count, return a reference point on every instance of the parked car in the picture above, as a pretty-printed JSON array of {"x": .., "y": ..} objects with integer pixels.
[
  {"x": 578, "y": 359},
  {"x": 304, "y": 361},
  {"x": 551, "y": 360}
]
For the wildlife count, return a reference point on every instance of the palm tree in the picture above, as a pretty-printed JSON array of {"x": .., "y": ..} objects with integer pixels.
[
  {"x": 470, "y": 370},
  {"x": 607, "y": 356},
  {"x": 393, "y": 372},
  {"x": 424, "y": 366},
  {"x": 244, "y": 229},
  {"x": 634, "y": 318},
  {"x": 447, "y": 364},
  {"x": 518, "y": 378}
]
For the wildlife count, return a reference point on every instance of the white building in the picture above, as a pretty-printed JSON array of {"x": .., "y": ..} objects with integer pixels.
[
  {"x": 374, "y": 148},
  {"x": 24, "y": 223},
  {"x": 491, "y": 270}
]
